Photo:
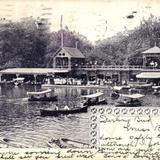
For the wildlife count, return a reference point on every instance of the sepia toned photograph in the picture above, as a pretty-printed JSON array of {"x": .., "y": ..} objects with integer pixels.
[{"x": 59, "y": 59}]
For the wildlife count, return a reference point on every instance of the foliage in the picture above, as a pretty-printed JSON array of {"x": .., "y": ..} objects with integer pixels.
[
  {"x": 69, "y": 40},
  {"x": 23, "y": 44},
  {"x": 125, "y": 48},
  {"x": 30, "y": 44}
]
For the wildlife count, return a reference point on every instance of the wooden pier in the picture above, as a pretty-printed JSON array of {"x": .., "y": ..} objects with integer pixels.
[{"x": 121, "y": 72}]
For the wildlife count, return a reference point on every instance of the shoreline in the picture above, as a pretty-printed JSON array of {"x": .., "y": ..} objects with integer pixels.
[{"x": 76, "y": 86}]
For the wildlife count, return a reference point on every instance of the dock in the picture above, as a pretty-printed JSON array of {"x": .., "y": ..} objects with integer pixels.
[{"x": 116, "y": 73}]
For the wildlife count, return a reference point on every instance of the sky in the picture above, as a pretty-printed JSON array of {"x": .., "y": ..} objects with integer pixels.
[{"x": 95, "y": 19}]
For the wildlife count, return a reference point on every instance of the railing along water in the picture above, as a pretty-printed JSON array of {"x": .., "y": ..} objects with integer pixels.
[{"x": 113, "y": 67}]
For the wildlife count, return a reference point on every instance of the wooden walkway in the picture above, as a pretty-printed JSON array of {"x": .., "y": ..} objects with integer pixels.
[
  {"x": 34, "y": 71},
  {"x": 118, "y": 68},
  {"x": 48, "y": 71}
]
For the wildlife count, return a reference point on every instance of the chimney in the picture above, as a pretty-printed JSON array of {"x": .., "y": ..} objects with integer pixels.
[{"x": 76, "y": 44}]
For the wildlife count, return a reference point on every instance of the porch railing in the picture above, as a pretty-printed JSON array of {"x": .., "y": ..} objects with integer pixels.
[{"x": 113, "y": 67}]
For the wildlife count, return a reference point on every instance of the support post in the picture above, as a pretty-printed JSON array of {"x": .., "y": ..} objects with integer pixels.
[
  {"x": 96, "y": 77},
  {"x": 0, "y": 77},
  {"x": 35, "y": 78},
  {"x": 144, "y": 61},
  {"x": 119, "y": 77},
  {"x": 69, "y": 63},
  {"x": 54, "y": 62},
  {"x": 87, "y": 78}
]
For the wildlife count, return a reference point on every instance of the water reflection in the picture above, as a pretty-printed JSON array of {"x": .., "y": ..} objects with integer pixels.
[{"x": 20, "y": 120}]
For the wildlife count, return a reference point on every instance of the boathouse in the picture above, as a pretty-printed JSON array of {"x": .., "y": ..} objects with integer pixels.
[
  {"x": 151, "y": 60},
  {"x": 68, "y": 57},
  {"x": 151, "y": 57}
]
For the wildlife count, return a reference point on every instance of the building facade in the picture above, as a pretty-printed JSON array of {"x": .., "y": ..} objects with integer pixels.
[
  {"x": 68, "y": 57},
  {"x": 151, "y": 57}
]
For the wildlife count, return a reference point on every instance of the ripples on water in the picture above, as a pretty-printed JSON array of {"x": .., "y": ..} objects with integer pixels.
[{"x": 20, "y": 120}]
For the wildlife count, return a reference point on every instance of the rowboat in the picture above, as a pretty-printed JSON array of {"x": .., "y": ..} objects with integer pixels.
[
  {"x": 156, "y": 90},
  {"x": 119, "y": 88},
  {"x": 116, "y": 90},
  {"x": 115, "y": 95},
  {"x": 54, "y": 112},
  {"x": 42, "y": 96},
  {"x": 141, "y": 85},
  {"x": 66, "y": 143},
  {"x": 94, "y": 99},
  {"x": 18, "y": 81},
  {"x": 10, "y": 143},
  {"x": 132, "y": 100}
]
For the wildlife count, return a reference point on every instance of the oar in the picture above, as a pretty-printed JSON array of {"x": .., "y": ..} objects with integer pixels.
[{"x": 65, "y": 140}]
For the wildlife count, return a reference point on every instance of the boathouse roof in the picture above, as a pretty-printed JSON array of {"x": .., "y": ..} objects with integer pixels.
[
  {"x": 73, "y": 52},
  {"x": 153, "y": 50},
  {"x": 37, "y": 71},
  {"x": 149, "y": 75}
]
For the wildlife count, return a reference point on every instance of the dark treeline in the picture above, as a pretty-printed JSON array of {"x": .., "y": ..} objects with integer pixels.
[
  {"x": 27, "y": 44},
  {"x": 22, "y": 44},
  {"x": 126, "y": 48},
  {"x": 30, "y": 44}
]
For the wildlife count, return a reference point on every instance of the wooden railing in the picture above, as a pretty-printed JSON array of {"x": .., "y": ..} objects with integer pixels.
[{"x": 113, "y": 67}]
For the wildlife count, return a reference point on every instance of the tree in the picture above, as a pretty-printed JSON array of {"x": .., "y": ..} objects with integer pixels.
[
  {"x": 70, "y": 39},
  {"x": 23, "y": 44}
]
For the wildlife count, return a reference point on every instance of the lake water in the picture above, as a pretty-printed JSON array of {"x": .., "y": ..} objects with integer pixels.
[{"x": 20, "y": 120}]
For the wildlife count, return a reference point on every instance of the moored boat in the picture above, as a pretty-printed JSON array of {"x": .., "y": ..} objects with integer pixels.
[
  {"x": 10, "y": 143},
  {"x": 116, "y": 90},
  {"x": 119, "y": 88},
  {"x": 18, "y": 81},
  {"x": 94, "y": 99},
  {"x": 141, "y": 85},
  {"x": 66, "y": 143},
  {"x": 156, "y": 90},
  {"x": 129, "y": 100},
  {"x": 42, "y": 96}
]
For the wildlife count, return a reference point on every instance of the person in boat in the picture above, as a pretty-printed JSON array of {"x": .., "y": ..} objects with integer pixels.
[
  {"x": 125, "y": 101},
  {"x": 96, "y": 100},
  {"x": 32, "y": 97},
  {"x": 45, "y": 96},
  {"x": 38, "y": 96},
  {"x": 56, "y": 107},
  {"x": 89, "y": 101},
  {"x": 132, "y": 100},
  {"x": 66, "y": 107}
]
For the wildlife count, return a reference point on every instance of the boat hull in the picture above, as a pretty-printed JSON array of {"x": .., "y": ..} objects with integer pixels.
[
  {"x": 48, "y": 112},
  {"x": 44, "y": 99},
  {"x": 115, "y": 95},
  {"x": 66, "y": 143},
  {"x": 156, "y": 93},
  {"x": 103, "y": 102},
  {"x": 122, "y": 104}
]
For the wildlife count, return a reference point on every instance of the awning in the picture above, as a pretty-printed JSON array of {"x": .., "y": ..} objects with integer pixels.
[
  {"x": 38, "y": 71},
  {"x": 98, "y": 94},
  {"x": 19, "y": 79},
  {"x": 133, "y": 96},
  {"x": 149, "y": 75},
  {"x": 117, "y": 88},
  {"x": 39, "y": 93}
]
